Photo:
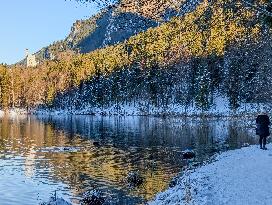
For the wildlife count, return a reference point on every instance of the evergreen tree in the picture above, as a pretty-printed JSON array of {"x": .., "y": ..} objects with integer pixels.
[{"x": 203, "y": 87}]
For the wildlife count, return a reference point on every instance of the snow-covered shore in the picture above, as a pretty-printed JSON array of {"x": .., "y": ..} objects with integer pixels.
[
  {"x": 220, "y": 108},
  {"x": 235, "y": 177},
  {"x": 142, "y": 109}
]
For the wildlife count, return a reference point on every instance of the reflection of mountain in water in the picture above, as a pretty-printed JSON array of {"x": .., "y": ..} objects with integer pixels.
[{"x": 151, "y": 145}]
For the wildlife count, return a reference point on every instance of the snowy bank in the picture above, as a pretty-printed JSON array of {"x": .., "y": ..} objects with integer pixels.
[
  {"x": 235, "y": 177},
  {"x": 220, "y": 109}
]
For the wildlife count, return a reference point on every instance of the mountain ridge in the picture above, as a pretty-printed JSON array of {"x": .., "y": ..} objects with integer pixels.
[{"x": 110, "y": 26}]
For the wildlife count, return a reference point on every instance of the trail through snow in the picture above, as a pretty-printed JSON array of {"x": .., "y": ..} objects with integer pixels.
[{"x": 237, "y": 177}]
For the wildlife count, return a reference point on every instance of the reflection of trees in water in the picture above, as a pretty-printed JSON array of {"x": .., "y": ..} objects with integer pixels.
[
  {"x": 152, "y": 145},
  {"x": 21, "y": 134},
  {"x": 134, "y": 135},
  {"x": 131, "y": 131},
  {"x": 107, "y": 166},
  {"x": 239, "y": 132},
  {"x": 93, "y": 166}
]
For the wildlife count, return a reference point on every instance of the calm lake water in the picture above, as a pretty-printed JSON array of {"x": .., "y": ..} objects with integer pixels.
[{"x": 41, "y": 155}]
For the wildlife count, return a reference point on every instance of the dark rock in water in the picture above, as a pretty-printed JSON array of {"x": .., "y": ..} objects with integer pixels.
[
  {"x": 93, "y": 198},
  {"x": 187, "y": 154},
  {"x": 134, "y": 179}
]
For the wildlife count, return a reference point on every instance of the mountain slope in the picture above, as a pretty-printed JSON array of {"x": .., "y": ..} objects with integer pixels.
[{"x": 113, "y": 25}]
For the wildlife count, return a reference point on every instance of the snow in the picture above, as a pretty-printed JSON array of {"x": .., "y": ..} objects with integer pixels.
[
  {"x": 220, "y": 108},
  {"x": 237, "y": 177},
  {"x": 141, "y": 108}
]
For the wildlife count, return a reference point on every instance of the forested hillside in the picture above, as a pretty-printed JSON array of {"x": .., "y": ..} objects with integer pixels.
[
  {"x": 221, "y": 48},
  {"x": 112, "y": 25}
]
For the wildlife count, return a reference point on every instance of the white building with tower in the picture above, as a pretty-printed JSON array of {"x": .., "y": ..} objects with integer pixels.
[{"x": 30, "y": 59}]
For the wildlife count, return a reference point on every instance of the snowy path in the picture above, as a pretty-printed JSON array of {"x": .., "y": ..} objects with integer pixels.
[{"x": 237, "y": 177}]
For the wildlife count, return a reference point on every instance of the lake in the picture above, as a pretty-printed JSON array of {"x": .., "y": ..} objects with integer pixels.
[{"x": 69, "y": 155}]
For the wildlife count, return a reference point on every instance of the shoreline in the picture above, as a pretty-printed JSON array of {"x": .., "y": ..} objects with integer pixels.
[
  {"x": 126, "y": 113},
  {"x": 241, "y": 176}
]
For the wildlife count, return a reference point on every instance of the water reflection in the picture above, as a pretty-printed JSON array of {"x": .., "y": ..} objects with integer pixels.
[{"x": 60, "y": 153}]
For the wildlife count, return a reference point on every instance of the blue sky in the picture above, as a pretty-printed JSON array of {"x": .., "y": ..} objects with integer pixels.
[{"x": 34, "y": 24}]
